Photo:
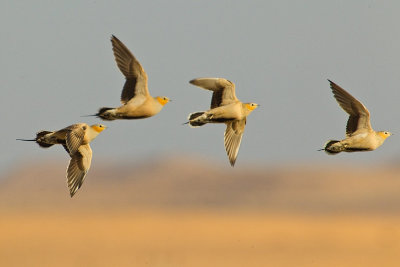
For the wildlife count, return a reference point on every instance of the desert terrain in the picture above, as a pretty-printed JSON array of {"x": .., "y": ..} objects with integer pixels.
[{"x": 189, "y": 212}]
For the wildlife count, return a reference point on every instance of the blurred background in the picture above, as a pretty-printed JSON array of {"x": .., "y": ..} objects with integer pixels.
[{"x": 162, "y": 194}]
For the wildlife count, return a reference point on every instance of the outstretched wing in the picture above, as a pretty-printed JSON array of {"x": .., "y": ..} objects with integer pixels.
[
  {"x": 233, "y": 137},
  {"x": 359, "y": 119},
  {"x": 136, "y": 77},
  {"x": 79, "y": 165},
  {"x": 223, "y": 90}
]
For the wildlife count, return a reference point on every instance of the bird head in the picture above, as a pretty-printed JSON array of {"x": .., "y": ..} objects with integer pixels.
[
  {"x": 98, "y": 127},
  {"x": 384, "y": 134},
  {"x": 251, "y": 106},
  {"x": 163, "y": 100}
]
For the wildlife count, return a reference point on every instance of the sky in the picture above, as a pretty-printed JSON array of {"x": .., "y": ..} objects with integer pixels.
[{"x": 57, "y": 65}]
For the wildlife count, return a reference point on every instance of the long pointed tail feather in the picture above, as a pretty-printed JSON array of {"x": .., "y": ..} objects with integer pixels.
[{"x": 39, "y": 139}]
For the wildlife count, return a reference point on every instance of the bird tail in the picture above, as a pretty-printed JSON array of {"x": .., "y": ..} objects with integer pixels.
[
  {"x": 104, "y": 115},
  {"x": 332, "y": 147},
  {"x": 39, "y": 139},
  {"x": 192, "y": 119}
]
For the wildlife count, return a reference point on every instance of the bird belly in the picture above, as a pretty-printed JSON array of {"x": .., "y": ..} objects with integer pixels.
[
  {"x": 361, "y": 142},
  {"x": 224, "y": 114},
  {"x": 147, "y": 109}
]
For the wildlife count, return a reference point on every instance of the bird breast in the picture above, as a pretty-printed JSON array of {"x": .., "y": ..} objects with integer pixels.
[{"x": 369, "y": 141}]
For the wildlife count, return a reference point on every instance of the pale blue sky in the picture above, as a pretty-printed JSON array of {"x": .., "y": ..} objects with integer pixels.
[{"x": 57, "y": 64}]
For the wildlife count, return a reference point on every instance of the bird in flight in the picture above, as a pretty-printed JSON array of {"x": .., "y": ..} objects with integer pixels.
[
  {"x": 225, "y": 108},
  {"x": 359, "y": 134},
  {"x": 75, "y": 139},
  {"x": 137, "y": 103}
]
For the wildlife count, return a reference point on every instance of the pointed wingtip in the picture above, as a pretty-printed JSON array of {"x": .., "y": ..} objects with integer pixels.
[
  {"x": 232, "y": 162},
  {"x": 72, "y": 193}
]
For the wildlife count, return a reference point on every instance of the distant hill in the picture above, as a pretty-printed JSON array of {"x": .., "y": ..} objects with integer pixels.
[{"x": 189, "y": 183}]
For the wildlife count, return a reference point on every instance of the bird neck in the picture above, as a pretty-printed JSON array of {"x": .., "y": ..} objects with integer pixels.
[{"x": 93, "y": 132}]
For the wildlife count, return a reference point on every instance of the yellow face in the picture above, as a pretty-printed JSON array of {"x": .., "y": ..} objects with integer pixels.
[
  {"x": 251, "y": 106},
  {"x": 162, "y": 100},
  {"x": 98, "y": 127},
  {"x": 384, "y": 134}
]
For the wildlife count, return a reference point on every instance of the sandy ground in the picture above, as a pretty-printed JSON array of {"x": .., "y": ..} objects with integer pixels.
[
  {"x": 179, "y": 238},
  {"x": 179, "y": 213}
]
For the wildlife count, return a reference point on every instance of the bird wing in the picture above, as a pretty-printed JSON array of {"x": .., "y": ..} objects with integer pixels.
[
  {"x": 223, "y": 90},
  {"x": 359, "y": 119},
  {"x": 233, "y": 137},
  {"x": 66, "y": 148},
  {"x": 79, "y": 165},
  {"x": 136, "y": 77},
  {"x": 74, "y": 137}
]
